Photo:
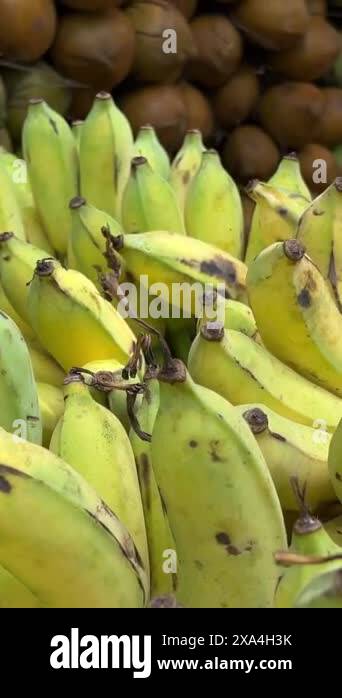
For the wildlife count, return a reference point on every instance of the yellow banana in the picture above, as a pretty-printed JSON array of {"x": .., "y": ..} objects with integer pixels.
[
  {"x": 185, "y": 165},
  {"x": 18, "y": 261},
  {"x": 72, "y": 321},
  {"x": 161, "y": 544},
  {"x": 19, "y": 408},
  {"x": 213, "y": 207},
  {"x": 52, "y": 163},
  {"x": 168, "y": 260},
  {"x": 316, "y": 227},
  {"x": 10, "y": 213},
  {"x": 296, "y": 315},
  {"x": 148, "y": 145},
  {"x": 13, "y": 594},
  {"x": 276, "y": 216},
  {"x": 109, "y": 155},
  {"x": 243, "y": 371},
  {"x": 34, "y": 232},
  {"x": 210, "y": 476},
  {"x": 45, "y": 368},
  {"x": 149, "y": 202},
  {"x": 292, "y": 450},
  {"x": 87, "y": 244},
  {"x": 50, "y": 475},
  {"x": 334, "y": 528},
  {"x": 51, "y": 405},
  {"x": 288, "y": 177},
  {"x": 92, "y": 440}
]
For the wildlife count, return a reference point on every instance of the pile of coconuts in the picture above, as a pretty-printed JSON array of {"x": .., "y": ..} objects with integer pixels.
[{"x": 259, "y": 78}]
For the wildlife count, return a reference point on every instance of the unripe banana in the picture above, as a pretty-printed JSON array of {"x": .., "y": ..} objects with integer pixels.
[
  {"x": 45, "y": 368},
  {"x": 292, "y": 450},
  {"x": 308, "y": 538},
  {"x": 209, "y": 476},
  {"x": 85, "y": 555},
  {"x": 50, "y": 152},
  {"x": 108, "y": 154},
  {"x": 334, "y": 529},
  {"x": 276, "y": 217},
  {"x": 161, "y": 544},
  {"x": 335, "y": 460},
  {"x": 92, "y": 440},
  {"x": 87, "y": 244},
  {"x": 34, "y": 232},
  {"x": 291, "y": 299},
  {"x": 10, "y": 213},
  {"x": 19, "y": 408},
  {"x": 148, "y": 145},
  {"x": 51, "y": 405},
  {"x": 18, "y": 261},
  {"x": 316, "y": 227},
  {"x": 149, "y": 202},
  {"x": 243, "y": 371},
  {"x": 213, "y": 208},
  {"x": 288, "y": 177},
  {"x": 72, "y": 321},
  {"x": 185, "y": 165},
  {"x": 7, "y": 308}
]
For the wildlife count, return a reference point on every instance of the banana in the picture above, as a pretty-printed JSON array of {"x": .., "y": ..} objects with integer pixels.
[
  {"x": 160, "y": 539},
  {"x": 76, "y": 128},
  {"x": 316, "y": 227},
  {"x": 19, "y": 407},
  {"x": 51, "y": 405},
  {"x": 337, "y": 244},
  {"x": 148, "y": 145},
  {"x": 45, "y": 368},
  {"x": 10, "y": 213},
  {"x": 18, "y": 261},
  {"x": 185, "y": 165},
  {"x": 13, "y": 594},
  {"x": 335, "y": 460},
  {"x": 210, "y": 476},
  {"x": 324, "y": 591},
  {"x": 92, "y": 440},
  {"x": 168, "y": 260},
  {"x": 72, "y": 321},
  {"x": 64, "y": 543},
  {"x": 34, "y": 232},
  {"x": 87, "y": 244},
  {"x": 288, "y": 177},
  {"x": 50, "y": 153},
  {"x": 235, "y": 316},
  {"x": 276, "y": 216},
  {"x": 213, "y": 207},
  {"x": 149, "y": 202},
  {"x": 291, "y": 299},
  {"x": 7, "y": 308},
  {"x": 109, "y": 155},
  {"x": 243, "y": 371},
  {"x": 334, "y": 529},
  {"x": 292, "y": 450},
  {"x": 308, "y": 538}
]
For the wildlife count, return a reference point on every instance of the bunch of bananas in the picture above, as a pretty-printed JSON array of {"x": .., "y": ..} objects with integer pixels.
[{"x": 186, "y": 454}]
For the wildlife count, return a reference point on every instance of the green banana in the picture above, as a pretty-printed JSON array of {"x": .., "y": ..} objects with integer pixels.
[
  {"x": 243, "y": 371},
  {"x": 160, "y": 540},
  {"x": 288, "y": 177},
  {"x": 92, "y": 440},
  {"x": 148, "y": 145},
  {"x": 291, "y": 299},
  {"x": 292, "y": 450},
  {"x": 109, "y": 155},
  {"x": 7, "y": 308},
  {"x": 185, "y": 165},
  {"x": 87, "y": 244},
  {"x": 10, "y": 213},
  {"x": 308, "y": 538},
  {"x": 57, "y": 536},
  {"x": 276, "y": 217},
  {"x": 213, "y": 207},
  {"x": 324, "y": 591},
  {"x": 210, "y": 474},
  {"x": 149, "y": 202},
  {"x": 45, "y": 368},
  {"x": 335, "y": 460},
  {"x": 13, "y": 594},
  {"x": 168, "y": 260},
  {"x": 51, "y": 405},
  {"x": 34, "y": 232},
  {"x": 72, "y": 321},
  {"x": 50, "y": 153},
  {"x": 18, "y": 261},
  {"x": 334, "y": 528},
  {"x": 19, "y": 407}
]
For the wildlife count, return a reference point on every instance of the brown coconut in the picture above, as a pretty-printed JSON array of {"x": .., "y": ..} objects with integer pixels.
[
  {"x": 272, "y": 24},
  {"x": 219, "y": 50},
  {"x": 27, "y": 28},
  {"x": 234, "y": 101},
  {"x": 330, "y": 132},
  {"x": 249, "y": 153},
  {"x": 199, "y": 112},
  {"x": 311, "y": 157}
]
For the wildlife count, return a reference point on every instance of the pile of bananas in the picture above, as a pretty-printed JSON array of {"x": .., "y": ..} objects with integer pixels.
[{"x": 185, "y": 457}]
